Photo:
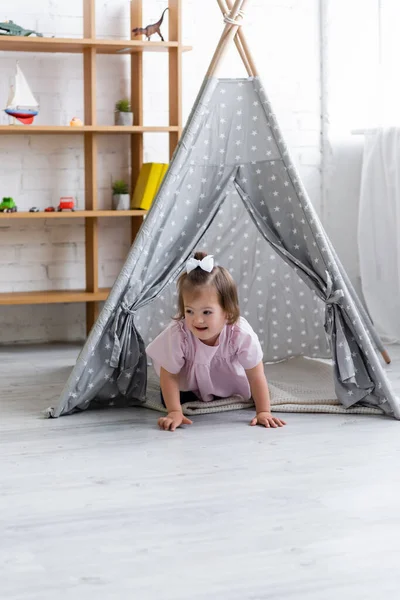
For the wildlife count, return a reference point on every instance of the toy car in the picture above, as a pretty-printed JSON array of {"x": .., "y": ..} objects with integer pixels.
[
  {"x": 8, "y": 205},
  {"x": 66, "y": 203},
  {"x": 34, "y": 209},
  {"x": 49, "y": 209}
]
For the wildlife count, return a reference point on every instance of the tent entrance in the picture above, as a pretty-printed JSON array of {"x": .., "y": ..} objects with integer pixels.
[{"x": 286, "y": 314}]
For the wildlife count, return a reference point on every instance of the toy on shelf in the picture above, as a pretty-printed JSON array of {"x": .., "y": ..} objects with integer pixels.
[
  {"x": 66, "y": 203},
  {"x": 8, "y": 205},
  {"x": 21, "y": 104},
  {"x": 76, "y": 122},
  {"x": 11, "y": 28},
  {"x": 150, "y": 29},
  {"x": 50, "y": 209},
  {"x": 123, "y": 114},
  {"x": 34, "y": 209},
  {"x": 121, "y": 199}
]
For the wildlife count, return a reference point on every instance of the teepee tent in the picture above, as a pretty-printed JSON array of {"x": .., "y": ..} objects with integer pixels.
[{"x": 232, "y": 189}]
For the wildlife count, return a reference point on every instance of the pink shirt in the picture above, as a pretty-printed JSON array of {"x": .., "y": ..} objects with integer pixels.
[{"x": 208, "y": 370}]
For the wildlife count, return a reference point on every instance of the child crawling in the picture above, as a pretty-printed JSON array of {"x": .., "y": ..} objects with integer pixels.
[{"x": 209, "y": 351}]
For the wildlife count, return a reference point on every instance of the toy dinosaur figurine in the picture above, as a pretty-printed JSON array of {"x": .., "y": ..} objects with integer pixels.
[
  {"x": 11, "y": 28},
  {"x": 150, "y": 29}
]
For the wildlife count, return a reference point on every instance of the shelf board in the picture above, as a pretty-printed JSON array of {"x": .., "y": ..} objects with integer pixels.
[
  {"x": 77, "y": 45},
  {"x": 53, "y": 297},
  {"x": 78, "y": 214},
  {"x": 52, "y": 129}
]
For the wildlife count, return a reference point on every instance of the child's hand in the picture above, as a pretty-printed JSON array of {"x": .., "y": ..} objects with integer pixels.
[
  {"x": 174, "y": 419},
  {"x": 266, "y": 419}
]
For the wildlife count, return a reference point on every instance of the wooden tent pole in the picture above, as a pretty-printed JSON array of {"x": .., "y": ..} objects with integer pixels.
[
  {"x": 245, "y": 46},
  {"x": 227, "y": 35},
  {"x": 225, "y": 10}
]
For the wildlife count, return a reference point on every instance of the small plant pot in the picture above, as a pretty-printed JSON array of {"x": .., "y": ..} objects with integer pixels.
[
  {"x": 123, "y": 118},
  {"x": 121, "y": 201}
]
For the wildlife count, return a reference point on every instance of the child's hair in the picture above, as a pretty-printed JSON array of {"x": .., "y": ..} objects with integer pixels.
[{"x": 220, "y": 279}]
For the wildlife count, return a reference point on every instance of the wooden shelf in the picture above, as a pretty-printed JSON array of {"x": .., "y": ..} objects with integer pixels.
[
  {"x": 57, "y": 129},
  {"x": 78, "y": 45},
  {"x": 89, "y": 47},
  {"x": 78, "y": 214},
  {"x": 53, "y": 297}
]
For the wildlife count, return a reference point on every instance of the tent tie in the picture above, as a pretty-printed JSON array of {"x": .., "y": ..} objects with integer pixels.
[
  {"x": 335, "y": 297},
  {"x": 126, "y": 309},
  {"x": 118, "y": 343},
  {"x": 331, "y": 298},
  {"x": 228, "y": 19}
]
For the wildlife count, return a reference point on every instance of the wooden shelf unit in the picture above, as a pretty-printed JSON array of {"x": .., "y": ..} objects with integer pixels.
[
  {"x": 49, "y": 129},
  {"x": 77, "y": 46},
  {"x": 77, "y": 214},
  {"x": 53, "y": 297},
  {"x": 90, "y": 46}
]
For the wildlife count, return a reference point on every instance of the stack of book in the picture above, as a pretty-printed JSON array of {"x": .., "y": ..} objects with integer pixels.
[{"x": 147, "y": 185}]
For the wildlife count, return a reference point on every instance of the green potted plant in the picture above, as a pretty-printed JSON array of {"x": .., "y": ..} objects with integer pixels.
[
  {"x": 123, "y": 114},
  {"x": 121, "y": 197}
]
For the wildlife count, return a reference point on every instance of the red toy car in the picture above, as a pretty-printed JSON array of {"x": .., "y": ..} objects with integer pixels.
[
  {"x": 66, "y": 203},
  {"x": 49, "y": 209}
]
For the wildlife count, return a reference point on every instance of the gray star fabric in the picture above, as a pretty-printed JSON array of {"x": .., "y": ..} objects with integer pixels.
[{"x": 232, "y": 190}]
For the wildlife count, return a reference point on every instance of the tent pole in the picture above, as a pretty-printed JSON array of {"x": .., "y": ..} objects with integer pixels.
[
  {"x": 226, "y": 37},
  {"x": 245, "y": 46},
  {"x": 225, "y": 10}
]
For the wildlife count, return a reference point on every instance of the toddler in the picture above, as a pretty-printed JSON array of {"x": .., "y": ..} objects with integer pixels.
[{"x": 209, "y": 351}]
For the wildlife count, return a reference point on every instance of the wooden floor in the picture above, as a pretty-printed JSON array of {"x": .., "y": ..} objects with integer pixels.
[{"x": 103, "y": 506}]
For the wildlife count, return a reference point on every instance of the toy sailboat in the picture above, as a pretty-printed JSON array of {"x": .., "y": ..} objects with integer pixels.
[{"x": 21, "y": 104}]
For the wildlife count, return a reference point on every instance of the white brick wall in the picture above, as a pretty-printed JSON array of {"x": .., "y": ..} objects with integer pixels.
[{"x": 284, "y": 38}]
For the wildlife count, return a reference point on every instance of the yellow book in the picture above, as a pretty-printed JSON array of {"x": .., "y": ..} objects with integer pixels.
[{"x": 149, "y": 180}]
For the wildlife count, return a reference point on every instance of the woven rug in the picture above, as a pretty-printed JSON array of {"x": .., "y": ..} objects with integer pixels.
[{"x": 296, "y": 385}]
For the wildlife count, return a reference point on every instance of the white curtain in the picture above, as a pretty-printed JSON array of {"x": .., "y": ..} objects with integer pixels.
[{"x": 379, "y": 230}]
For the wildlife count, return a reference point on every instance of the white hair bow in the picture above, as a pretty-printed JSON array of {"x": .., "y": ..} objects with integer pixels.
[{"x": 206, "y": 263}]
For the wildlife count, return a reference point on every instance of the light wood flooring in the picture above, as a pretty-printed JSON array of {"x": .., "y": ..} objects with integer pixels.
[{"x": 102, "y": 505}]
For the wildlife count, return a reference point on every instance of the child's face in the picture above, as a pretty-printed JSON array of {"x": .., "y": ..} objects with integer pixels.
[{"x": 204, "y": 316}]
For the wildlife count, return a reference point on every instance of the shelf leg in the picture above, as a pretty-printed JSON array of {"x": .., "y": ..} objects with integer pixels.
[
  {"x": 92, "y": 314},
  {"x": 91, "y": 227},
  {"x": 136, "y": 223},
  {"x": 175, "y": 73},
  {"x": 137, "y": 107}
]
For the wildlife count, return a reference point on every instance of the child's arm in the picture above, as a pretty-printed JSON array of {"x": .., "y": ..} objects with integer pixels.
[
  {"x": 260, "y": 394},
  {"x": 169, "y": 383}
]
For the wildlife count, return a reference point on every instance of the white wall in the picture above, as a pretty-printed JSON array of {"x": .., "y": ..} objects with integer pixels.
[
  {"x": 284, "y": 37},
  {"x": 350, "y": 58}
]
